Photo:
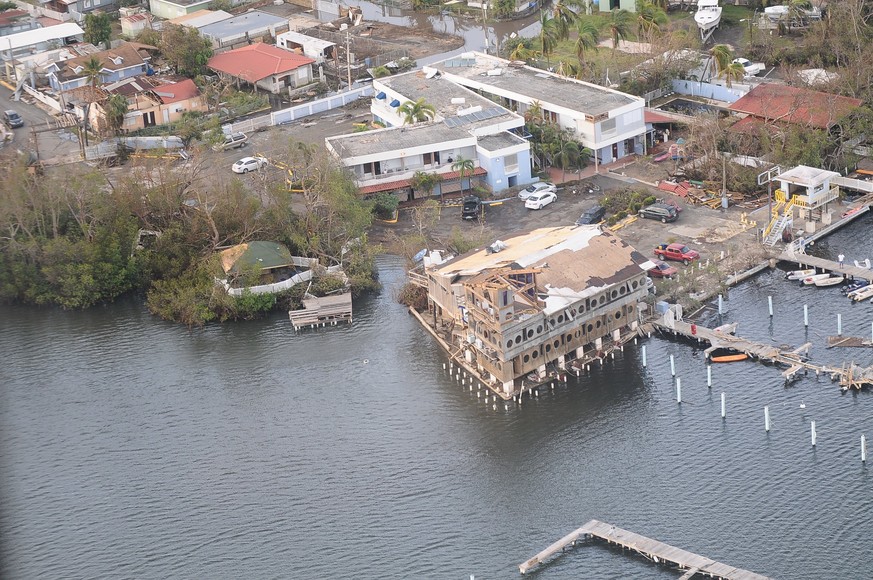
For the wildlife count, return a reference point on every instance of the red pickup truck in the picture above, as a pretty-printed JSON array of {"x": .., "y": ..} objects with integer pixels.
[{"x": 676, "y": 252}]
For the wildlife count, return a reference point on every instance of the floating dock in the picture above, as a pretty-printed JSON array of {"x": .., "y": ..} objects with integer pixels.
[
  {"x": 327, "y": 310},
  {"x": 807, "y": 261},
  {"x": 849, "y": 375},
  {"x": 654, "y": 550}
]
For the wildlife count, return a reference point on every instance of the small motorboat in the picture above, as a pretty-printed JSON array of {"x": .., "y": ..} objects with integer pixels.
[
  {"x": 831, "y": 281},
  {"x": 854, "y": 285},
  {"x": 708, "y": 15},
  {"x": 865, "y": 264},
  {"x": 724, "y": 355},
  {"x": 810, "y": 280},
  {"x": 800, "y": 274},
  {"x": 862, "y": 294},
  {"x": 730, "y": 328},
  {"x": 855, "y": 292}
]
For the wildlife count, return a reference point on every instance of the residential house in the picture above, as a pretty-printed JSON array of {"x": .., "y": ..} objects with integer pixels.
[
  {"x": 175, "y": 8},
  {"x": 133, "y": 24},
  {"x": 249, "y": 27},
  {"x": 276, "y": 269},
  {"x": 78, "y": 8},
  {"x": 610, "y": 5},
  {"x": 201, "y": 18},
  {"x": 34, "y": 67},
  {"x": 780, "y": 105},
  {"x": 12, "y": 21},
  {"x": 607, "y": 121},
  {"x": 264, "y": 66},
  {"x": 39, "y": 39},
  {"x": 536, "y": 298},
  {"x": 151, "y": 103},
  {"x": 127, "y": 60},
  {"x": 315, "y": 48},
  {"x": 465, "y": 126}
]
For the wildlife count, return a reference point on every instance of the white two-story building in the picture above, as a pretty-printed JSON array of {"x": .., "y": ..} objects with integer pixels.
[
  {"x": 465, "y": 126},
  {"x": 607, "y": 121}
]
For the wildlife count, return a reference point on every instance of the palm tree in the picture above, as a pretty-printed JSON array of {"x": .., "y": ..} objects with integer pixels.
[
  {"x": 522, "y": 52},
  {"x": 587, "y": 39},
  {"x": 650, "y": 19},
  {"x": 568, "y": 69},
  {"x": 733, "y": 72},
  {"x": 721, "y": 57},
  {"x": 534, "y": 113},
  {"x": 568, "y": 154},
  {"x": 464, "y": 167},
  {"x": 564, "y": 18},
  {"x": 416, "y": 112},
  {"x": 619, "y": 26},
  {"x": 92, "y": 69},
  {"x": 549, "y": 35},
  {"x": 115, "y": 110}
]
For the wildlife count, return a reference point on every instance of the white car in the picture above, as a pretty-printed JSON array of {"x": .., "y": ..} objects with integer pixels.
[
  {"x": 536, "y": 188},
  {"x": 247, "y": 164},
  {"x": 540, "y": 200},
  {"x": 751, "y": 68}
]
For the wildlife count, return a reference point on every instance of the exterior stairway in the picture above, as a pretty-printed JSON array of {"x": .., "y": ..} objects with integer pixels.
[{"x": 777, "y": 226}]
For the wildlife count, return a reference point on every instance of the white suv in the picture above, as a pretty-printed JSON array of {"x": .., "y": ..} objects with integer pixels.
[{"x": 540, "y": 187}]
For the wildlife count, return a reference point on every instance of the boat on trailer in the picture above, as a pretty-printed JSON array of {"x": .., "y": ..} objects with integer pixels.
[
  {"x": 831, "y": 281},
  {"x": 707, "y": 17},
  {"x": 810, "y": 280},
  {"x": 800, "y": 274}
]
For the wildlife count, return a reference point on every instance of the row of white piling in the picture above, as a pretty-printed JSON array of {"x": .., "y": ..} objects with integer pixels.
[{"x": 805, "y": 316}]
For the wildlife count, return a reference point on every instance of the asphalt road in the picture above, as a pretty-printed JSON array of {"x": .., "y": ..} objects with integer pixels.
[{"x": 51, "y": 144}]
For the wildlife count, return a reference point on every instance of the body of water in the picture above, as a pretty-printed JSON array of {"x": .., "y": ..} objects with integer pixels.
[{"x": 134, "y": 448}]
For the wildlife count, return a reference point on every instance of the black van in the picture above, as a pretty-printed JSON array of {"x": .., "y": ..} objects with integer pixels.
[{"x": 472, "y": 208}]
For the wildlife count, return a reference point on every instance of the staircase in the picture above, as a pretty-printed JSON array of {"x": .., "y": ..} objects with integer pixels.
[{"x": 780, "y": 218}]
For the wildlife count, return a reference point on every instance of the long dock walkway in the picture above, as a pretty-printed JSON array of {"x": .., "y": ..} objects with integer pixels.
[
  {"x": 807, "y": 261},
  {"x": 849, "y": 375},
  {"x": 654, "y": 550}
]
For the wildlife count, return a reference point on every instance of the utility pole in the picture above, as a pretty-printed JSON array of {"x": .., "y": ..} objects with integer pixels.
[{"x": 348, "y": 58}]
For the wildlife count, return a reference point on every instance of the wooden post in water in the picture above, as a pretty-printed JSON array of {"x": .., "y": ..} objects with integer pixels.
[
  {"x": 839, "y": 324},
  {"x": 767, "y": 419},
  {"x": 805, "y": 315},
  {"x": 722, "y": 406},
  {"x": 678, "y": 390},
  {"x": 770, "y": 305},
  {"x": 720, "y": 304},
  {"x": 644, "y": 356},
  {"x": 812, "y": 432},
  {"x": 709, "y": 376},
  {"x": 863, "y": 449},
  {"x": 672, "y": 366}
]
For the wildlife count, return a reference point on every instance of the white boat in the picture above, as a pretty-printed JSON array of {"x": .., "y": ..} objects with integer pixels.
[
  {"x": 832, "y": 281},
  {"x": 708, "y": 15},
  {"x": 865, "y": 264},
  {"x": 800, "y": 274},
  {"x": 776, "y": 13},
  {"x": 810, "y": 280},
  {"x": 854, "y": 293},
  {"x": 863, "y": 294}
]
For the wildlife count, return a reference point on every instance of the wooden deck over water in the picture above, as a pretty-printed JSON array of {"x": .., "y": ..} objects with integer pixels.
[
  {"x": 322, "y": 311},
  {"x": 850, "y": 375},
  {"x": 654, "y": 550},
  {"x": 807, "y": 261}
]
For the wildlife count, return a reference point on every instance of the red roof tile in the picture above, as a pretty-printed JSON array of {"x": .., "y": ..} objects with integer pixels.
[
  {"x": 257, "y": 61},
  {"x": 655, "y": 117},
  {"x": 174, "y": 92},
  {"x": 795, "y": 105},
  {"x": 392, "y": 185},
  {"x": 8, "y": 16}
]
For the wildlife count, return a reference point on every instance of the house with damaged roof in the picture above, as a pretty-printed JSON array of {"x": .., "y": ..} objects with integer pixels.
[{"x": 536, "y": 301}]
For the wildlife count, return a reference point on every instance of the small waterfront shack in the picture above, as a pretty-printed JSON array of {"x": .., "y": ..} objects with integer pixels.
[
  {"x": 276, "y": 269},
  {"x": 536, "y": 298}
]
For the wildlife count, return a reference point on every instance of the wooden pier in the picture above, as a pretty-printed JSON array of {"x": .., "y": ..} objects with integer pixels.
[
  {"x": 654, "y": 550},
  {"x": 327, "y": 310},
  {"x": 849, "y": 375},
  {"x": 806, "y": 261}
]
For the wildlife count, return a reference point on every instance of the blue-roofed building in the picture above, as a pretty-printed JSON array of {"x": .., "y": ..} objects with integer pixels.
[{"x": 252, "y": 26}]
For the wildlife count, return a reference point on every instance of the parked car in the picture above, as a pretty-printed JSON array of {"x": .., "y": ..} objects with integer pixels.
[
  {"x": 751, "y": 68},
  {"x": 540, "y": 187},
  {"x": 676, "y": 252},
  {"x": 660, "y": 211},
  {"x": 540, "y": 200},
  {"x": 232, "y": 141},
  {"x": 12, "y": 119},
  {"x": 592, "y": 215},
  {"x": 472, "y": 208},
  {"x": 247, "y": 164},
  {"x": 662, "y": 270}
]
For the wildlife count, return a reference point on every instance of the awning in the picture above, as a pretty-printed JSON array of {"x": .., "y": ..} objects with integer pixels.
[
  {"x": 381, "y": 95},
  {"x": 395, "y": 103}
]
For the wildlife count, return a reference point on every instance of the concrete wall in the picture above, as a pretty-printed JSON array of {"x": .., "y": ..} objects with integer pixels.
[{"x": 710, "y": 91}]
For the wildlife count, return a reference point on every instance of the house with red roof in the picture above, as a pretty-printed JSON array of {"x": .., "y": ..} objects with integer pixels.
[
  {"x": 770, "y": 104},
  {"x": 149, "y": 102},
  {"x": 267, "y": 67}
]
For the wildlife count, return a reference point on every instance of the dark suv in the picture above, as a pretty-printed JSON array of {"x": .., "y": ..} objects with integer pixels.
[
  {"x": 592, "y": 215},
  {"x": 660, "y": 211},
  {"x": 472, "y": 208},
  {"x": 12, "y": 119}
]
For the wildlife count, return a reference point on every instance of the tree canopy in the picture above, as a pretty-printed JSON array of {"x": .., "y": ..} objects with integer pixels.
[
  {"x": 185, "y": 50},
  {"x": 98, "y": 29}
]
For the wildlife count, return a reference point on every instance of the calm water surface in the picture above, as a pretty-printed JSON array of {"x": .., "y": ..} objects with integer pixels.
[{"x": 133, "y": 448}]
